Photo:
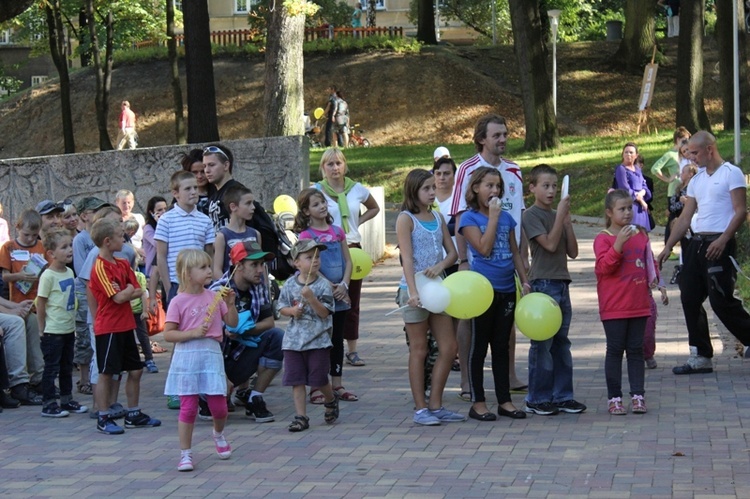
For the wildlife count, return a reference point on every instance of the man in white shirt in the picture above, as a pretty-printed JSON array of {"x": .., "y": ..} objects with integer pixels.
[{"x": 716, "y": 196}]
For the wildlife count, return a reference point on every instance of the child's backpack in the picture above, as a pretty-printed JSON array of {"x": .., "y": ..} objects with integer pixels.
[{"x": 274, "y": 239}]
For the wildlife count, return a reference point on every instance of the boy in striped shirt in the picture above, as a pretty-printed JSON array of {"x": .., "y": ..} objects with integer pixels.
[{"x": 182, "y": 227}]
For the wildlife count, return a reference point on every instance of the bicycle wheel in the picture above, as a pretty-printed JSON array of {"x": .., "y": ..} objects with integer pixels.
[{"x": 365, "y": 143}]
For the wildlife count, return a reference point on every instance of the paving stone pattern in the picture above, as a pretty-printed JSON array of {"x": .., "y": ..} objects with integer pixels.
[{"x": 692, "y": 443}]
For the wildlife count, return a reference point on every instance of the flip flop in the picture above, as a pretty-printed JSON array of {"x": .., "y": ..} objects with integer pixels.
[
  {"x": 465, "y": 396},
  {"x": 156, "y": 348},
  {"x": 352, "y": 358}
]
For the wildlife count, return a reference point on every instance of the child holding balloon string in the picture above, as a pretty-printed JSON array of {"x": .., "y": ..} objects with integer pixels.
[
  {"x": 426, "y": 246},
  {"x": 490, "y": 234},
  {"x": 551, "y": 241},
  {"x": 194, "y": 324},
  {"x": 625, "y": 273},
  {"x": 314, "y": 222}
]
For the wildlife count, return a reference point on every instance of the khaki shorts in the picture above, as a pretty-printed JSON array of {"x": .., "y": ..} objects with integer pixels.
[{"x": 412, "y": 315}]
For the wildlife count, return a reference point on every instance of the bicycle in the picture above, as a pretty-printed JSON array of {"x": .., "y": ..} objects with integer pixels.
[{"x": 356, "y": 138}]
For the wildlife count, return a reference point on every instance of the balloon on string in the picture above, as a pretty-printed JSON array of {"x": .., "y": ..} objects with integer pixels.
[
  {"x": 471, "y": 294},
  {"x": 361, "y": 263},
  {"x": 318, "y": 113},
  {"x": 432, "y": 294},
  {"x": 285, "y": 203},
  {"x": 538, "y": 316}
]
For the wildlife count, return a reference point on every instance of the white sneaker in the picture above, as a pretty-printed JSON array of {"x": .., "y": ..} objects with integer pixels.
[{"x": 186, "y": 463}]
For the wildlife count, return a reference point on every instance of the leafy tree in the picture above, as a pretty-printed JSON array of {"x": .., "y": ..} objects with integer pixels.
[
  {"x": 13, "y": 8},
  {"x": 476, "y": 14},
  {"x": 283, "y": 97},
  {"x": 372, "y": 7},
  {"x": 691, "y": 112},
  {"x": 426, "y": 22},
  {"x": 199, "y": 68},
  {"x": 639, "y": 37},
  {"x": 726, "y": 64},
  {"x": 535, "y": 83},
  {"x": 59, "y": 53},
  {"x": 102, "y": 66},
  {"x": 174, "y": 70}
]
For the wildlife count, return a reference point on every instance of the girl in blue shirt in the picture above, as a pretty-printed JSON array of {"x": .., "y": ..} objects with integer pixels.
[{"x": 494, "y": 254}]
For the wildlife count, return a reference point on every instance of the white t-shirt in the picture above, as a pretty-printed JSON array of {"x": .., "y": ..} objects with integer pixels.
[
  {"x": 512, "y": 197},
  {"x": 445, "y": 209},
  {"x": 354, "y": 199},
  {"x": 137, "y": 239},
  {"x": 713, "y": 195}
]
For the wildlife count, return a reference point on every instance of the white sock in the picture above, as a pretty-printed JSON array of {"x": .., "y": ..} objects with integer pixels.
[
  {"x": 186, "y": 452},
  {"x": 255, "y": 393}
]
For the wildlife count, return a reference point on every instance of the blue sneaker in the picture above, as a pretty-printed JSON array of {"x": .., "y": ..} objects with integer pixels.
[
  {"x": 137, "y": 419},
  {"x": 108, "y": 427},
  {"x": 446, "y": 416},
  {"x": 426, "y": 418},
  {"x": 151, "y": 366}
]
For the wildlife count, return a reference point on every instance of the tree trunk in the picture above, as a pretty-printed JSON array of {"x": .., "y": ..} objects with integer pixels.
[
  {"x": 371, "y": 9},
  {"x": 283, "y": 98},
  {"x": 103, "y": 73},
  {"x": 638, "y": 40},
  {"x": 536, "y": 87},
  {"x": 59, "y": 57},
  {"x": 726, "y": 63},
  {"x": 12, "y": 8},
  {"x": 426, "y": 22},
  {"x": 174, "y": 68},
  {"x": 83, "y": 34},
  {"x": 691, "y": 112},
  {"x": 203, "y": 125}
]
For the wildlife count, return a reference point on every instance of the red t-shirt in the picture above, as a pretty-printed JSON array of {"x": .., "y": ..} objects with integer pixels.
[
  {"x": 14, "y": 257},
  {"x": 108, "y": 279}
]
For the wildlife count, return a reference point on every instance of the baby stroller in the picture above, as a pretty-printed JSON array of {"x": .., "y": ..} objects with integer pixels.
[{"x": 312, "y": 129}]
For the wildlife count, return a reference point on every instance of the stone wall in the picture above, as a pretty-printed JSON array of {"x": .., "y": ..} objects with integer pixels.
[{"x": 268, "y": 166}]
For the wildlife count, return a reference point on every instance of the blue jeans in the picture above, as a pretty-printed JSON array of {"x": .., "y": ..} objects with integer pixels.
[
  {"x": 58, "y": 362},
  {"x": 550, "y": 361}
]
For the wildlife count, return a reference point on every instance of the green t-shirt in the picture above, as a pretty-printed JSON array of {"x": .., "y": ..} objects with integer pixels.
[
  {"x": 671, "y": 163},
  {"x": 59, "y": 290}
]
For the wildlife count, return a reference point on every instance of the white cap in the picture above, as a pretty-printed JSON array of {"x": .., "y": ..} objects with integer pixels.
[{"x": 441, "y": 152}]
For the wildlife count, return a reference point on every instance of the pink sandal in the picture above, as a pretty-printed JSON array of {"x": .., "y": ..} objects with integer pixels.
[{"x": 616, "y": 408}]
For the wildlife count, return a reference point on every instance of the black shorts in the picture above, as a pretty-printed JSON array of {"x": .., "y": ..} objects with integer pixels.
[{"x": 117, "y": 352}]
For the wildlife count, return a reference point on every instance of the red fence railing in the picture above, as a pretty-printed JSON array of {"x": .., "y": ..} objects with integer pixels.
[{"x": 240, "y": 37}]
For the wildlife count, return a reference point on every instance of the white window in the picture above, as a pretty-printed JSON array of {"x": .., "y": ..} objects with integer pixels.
[
  {"x": 241, "y": 6},
  {"x": 38, "y": 80},
  {"x": 5, "y": 37},
  {"x": 379, "y": 5},
  {"x": 177, "y": 5}
]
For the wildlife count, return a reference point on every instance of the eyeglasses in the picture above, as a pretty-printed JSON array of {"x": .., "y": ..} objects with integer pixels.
[{"x": 215, "y": 150}]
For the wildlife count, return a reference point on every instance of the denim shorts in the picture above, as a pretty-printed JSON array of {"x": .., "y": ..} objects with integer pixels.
[{"x": 412, "y": 315}]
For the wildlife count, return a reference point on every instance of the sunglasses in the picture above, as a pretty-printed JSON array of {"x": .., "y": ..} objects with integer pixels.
[{"x": 215, "y": 150}]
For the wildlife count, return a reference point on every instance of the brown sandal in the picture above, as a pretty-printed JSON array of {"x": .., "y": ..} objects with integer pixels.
[
  {"x": 84, "y": 388},
  {"x": 300, "y": 423},
  {"x": 156, "y": 348},
  {"x": 332, "y": 409}
]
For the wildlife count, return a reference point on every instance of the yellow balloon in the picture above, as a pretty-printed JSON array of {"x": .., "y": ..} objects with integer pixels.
[
  {"x": 361, "y": 263},
  {"x": 285, "y": 203},
  {"x": 318, "y": 113},
  {"x": 538, "y": 316},
  {"x": 471, "y": 294}
]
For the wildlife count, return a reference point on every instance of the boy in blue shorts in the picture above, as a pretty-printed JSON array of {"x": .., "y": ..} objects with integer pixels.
[
  {"x": 551, "y": 240},
  {"x": 111, "y": 288}
]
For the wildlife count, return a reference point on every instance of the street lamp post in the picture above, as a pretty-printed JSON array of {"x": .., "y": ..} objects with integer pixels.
[{"x": 554, "y": 19}]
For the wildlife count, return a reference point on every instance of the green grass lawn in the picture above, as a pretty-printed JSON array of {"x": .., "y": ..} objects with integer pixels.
[{"x": 590, "y": 162}]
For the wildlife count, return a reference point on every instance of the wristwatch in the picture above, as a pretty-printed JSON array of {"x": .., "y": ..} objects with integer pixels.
[{"x": 460, "y": 261}]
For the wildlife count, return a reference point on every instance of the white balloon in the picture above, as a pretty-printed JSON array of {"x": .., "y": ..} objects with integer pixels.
[
  {"x": 565, "y": 187},
  {"x": 435, "y": 297}
]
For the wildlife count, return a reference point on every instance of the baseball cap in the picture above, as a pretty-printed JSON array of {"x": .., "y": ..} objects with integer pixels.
[
  {"x": 91, "y": 203},
  {"x": 249, "y": 250},
  {"x": 305, "y": 245},
  {"x": 441, "y": 152},
  {"x": 48, "y": 206}
]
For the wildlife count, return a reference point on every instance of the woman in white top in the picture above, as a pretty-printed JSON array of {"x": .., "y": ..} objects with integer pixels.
[{"x": 345, "y": 198}]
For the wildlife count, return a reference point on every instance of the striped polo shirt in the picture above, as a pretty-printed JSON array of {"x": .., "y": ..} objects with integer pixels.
[{"x": 182, "y": 230}]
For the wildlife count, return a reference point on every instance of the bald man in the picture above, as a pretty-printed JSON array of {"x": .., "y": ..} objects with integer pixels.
[{"x": 716, "y": 197}]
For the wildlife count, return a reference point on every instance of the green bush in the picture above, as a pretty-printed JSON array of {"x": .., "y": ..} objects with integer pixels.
[{"x": 342, "y": 45}]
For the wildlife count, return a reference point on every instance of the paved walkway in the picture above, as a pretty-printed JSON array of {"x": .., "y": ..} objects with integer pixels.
[{"x": 692, "y": 443}]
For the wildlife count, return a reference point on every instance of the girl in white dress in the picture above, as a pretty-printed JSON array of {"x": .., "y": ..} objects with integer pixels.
[{"x": 193, "y": 323}]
